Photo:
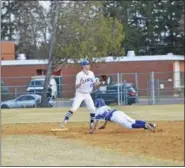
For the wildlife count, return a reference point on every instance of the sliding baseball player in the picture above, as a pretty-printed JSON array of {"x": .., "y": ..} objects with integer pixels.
[{"x": 106, "y": 113}]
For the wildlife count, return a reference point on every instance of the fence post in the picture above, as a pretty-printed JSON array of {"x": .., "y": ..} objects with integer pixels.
[
  {"x": 152, "y": 79},
  {"x": 125, "y": 93},
  {"x": 158, "y": 90},
  {"x": 15, "y": 92},
  {"x": 118, "y": 82},
  {"x": 136, "y": 80},
  {"x": 137, "y": 86},
  {"x": 121, "y": 88}
]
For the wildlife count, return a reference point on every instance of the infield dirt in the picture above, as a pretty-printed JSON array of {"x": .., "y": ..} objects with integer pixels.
[
  {"x": 166, "y": 143},
  {"x": 27, "y": 133}
]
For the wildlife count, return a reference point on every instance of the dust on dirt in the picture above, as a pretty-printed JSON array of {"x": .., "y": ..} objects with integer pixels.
[{"x": 166, "y": 143}]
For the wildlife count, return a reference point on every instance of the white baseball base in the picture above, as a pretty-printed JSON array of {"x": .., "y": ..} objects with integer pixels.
[{"x": 59, "y": 129}]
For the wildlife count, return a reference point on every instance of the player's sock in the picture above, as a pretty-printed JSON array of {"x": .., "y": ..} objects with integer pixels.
[
  {"x": 140, "y": 122},
  {"x": 135, "y": 125},
  {"x": 67, "y": 116},
  {"x": 92, "y": 117}
]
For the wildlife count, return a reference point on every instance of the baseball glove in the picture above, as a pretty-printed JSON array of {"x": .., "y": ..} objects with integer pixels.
[
  {"x": 103, "y": 78},
  {"x": 102, "y": 127}
]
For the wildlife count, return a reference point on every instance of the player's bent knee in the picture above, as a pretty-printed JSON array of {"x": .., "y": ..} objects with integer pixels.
[{"x": 73, "y": 110}]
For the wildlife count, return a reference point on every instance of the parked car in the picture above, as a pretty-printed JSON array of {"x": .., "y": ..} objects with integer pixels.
[
  {"x": 23, "y": 101},
  {"x": 127, "y": 93},
  {"x": 36, "y": 86}
]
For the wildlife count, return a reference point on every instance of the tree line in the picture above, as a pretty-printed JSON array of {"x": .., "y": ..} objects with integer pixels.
[{"x": 95, "y": 28}]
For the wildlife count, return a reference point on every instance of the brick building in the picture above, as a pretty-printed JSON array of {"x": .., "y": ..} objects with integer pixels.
[
  {"x": 167, "y": 68},
  {"x": 7, "y": 49}
]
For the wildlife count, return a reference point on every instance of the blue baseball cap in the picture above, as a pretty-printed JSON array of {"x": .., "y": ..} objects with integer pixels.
[{"x": 84, "y": 62}]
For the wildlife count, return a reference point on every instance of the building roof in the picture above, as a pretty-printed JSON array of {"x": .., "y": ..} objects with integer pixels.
[
  {"x": 106, "y": 59},
  {"x": 23, "y": 62},
  {"x": 142, "y": 58}
]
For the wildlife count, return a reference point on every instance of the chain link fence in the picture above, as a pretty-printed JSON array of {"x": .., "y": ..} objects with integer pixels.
[{"x": 120, "y": 89}]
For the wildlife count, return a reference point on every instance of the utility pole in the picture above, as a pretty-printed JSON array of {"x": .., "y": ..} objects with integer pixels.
[{"x": 55, "y": 11}]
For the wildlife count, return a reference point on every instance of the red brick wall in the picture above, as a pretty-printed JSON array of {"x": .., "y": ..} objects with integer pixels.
[
  {"x": 70, "y": 70},
  {"x": 19, "y": 76},
  {"x": 7, "y": 50},
  {"x": 125, "y": 67},
  {"x": 128, "y": 68},
  {"x": 20, "y": 70}
]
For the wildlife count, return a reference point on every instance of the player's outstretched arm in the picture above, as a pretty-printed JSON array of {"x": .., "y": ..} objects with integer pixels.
[
  {"x": 104, "y": 125},
  {"x": 94, "y": 127}
]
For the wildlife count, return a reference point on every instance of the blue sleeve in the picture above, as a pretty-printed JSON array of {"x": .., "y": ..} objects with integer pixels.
[{"x": 98, "y": 117}]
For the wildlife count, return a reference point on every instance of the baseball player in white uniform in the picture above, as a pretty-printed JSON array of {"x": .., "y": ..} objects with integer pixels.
[
  {"x": 106, "y": 113},
  {"x": 85, "y": 83}
]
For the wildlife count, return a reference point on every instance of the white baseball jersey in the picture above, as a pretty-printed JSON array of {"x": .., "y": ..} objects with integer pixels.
[
  {"x": 88, "y": 81},
  {"x": 83, "y": 92},
  {"x": 104, "y": 113},
  {"x": 119, "y": 117}
]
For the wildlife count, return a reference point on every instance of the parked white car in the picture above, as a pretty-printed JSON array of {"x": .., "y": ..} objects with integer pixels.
[
  {"x": 36, "y": 85},
  {"x": 23, "y": 101}
]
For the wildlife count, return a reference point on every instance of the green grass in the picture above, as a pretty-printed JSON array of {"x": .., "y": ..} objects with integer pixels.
[{"x": 146, "y": 112}]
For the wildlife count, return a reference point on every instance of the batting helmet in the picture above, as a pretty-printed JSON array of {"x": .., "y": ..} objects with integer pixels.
[{"x": 99, "y": 102}]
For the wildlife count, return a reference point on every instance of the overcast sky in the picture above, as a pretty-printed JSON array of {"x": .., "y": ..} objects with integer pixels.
[{"x": 45, "y": 4}]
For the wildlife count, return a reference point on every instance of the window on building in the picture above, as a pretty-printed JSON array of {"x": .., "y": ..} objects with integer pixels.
[{"x": 41, "y": 71}]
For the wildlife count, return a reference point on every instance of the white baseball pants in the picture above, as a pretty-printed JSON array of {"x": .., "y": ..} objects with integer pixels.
[
  {"x": 122, "y": 119},
  {"x": 79, "y": 97}
]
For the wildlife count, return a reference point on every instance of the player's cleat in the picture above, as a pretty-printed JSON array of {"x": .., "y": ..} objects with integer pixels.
[
  {"x": 150, "y": 127},
  {"x": 62, "y": 126},
  {"x": 153, "y": 125}
]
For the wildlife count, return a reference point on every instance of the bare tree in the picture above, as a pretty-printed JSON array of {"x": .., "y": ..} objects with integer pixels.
[{"x": 50, "y": 58}]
